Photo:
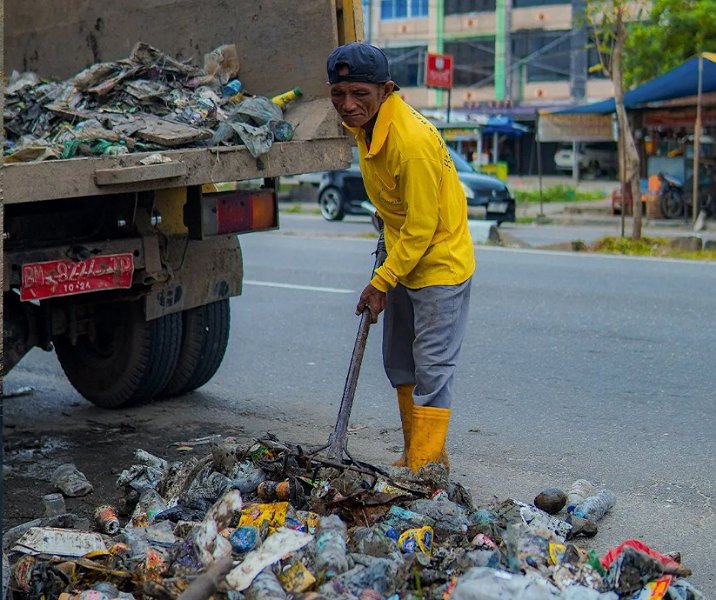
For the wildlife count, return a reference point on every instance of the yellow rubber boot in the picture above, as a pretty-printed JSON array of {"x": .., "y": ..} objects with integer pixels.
[
  {"x": 405, "y": 403},
  {"x": 428, "y": 434}
]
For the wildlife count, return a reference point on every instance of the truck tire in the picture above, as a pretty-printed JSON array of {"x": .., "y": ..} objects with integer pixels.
[
  {"x": 129, "y": 361},
  {"x": 205, "y": 335}
]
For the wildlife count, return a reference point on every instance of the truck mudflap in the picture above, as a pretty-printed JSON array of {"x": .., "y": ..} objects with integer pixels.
[{"x": 203, "y": 271}]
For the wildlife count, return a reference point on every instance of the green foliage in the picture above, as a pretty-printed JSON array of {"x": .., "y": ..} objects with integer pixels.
[
  {"x": 656, "y": 247},
  {"x": 558, "y": 193},
  {"x": 674, "y": 31}
]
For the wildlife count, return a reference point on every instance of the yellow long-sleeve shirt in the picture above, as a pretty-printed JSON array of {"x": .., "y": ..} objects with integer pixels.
[{"x": 412, "y": 181}]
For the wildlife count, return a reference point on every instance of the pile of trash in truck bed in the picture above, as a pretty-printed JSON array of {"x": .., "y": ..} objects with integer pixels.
[
  {"x": 268, "y": 520},
  {"x": 146, "y": 102}
]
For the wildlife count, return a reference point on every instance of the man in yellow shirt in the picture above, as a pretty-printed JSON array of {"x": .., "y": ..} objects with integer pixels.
[{"x": 424, "y": 283}]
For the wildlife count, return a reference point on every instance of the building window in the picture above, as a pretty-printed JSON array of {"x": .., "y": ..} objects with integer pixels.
[
  {"x": 524, "y": 3},
  {"x": 407, "y": 65},
  {"x": 403, "y": 9},
  {"x": 459, "y": 7},
  {"x": 546, "y": 53},
  {"x": 473, "y": 61}
]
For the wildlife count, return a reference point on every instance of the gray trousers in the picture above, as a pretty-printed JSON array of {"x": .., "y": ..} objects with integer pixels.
[{"x": 423, "y": 331}]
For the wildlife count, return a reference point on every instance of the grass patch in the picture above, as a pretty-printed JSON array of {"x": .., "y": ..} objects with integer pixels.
[
  {"x": 559, "y": 193},
  {"x": 656, "y": 247},
  {"x": 298, "y": 209}
]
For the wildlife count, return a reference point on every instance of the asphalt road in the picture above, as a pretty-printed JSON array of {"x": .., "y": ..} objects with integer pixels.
[{"x": 575, "y": 366}]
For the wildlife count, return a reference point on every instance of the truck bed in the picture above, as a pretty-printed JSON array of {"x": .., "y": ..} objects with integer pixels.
[
  {"x": 318, "y": 146},
  {"x": 279, "y": 48}
]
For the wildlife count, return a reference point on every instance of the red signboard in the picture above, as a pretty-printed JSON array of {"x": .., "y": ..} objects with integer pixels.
[
  {"x": 438, "y": 71},
  {"x": 67, "y": 277}
]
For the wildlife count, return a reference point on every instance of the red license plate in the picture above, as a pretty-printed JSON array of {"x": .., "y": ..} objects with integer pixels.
[{"x": 67, "y": 277}]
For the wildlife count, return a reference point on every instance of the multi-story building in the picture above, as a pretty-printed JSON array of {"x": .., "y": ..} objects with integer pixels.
[
  {"x": 510, "y": 52},
  {"x": 510, "y": 57}
]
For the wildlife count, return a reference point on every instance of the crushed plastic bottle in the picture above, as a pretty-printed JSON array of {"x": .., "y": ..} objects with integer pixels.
[
  {"x": 578, "y": 493},
  {"x": 266, "y": 586},
  {"x": 331, "y": 546},
  {"x": 150, "y": 504},
  {"x": 484, "y": 582},
  {"x": 595, "y": 507},
  {"x": 70, "y": 481},
  {"x": 244, "y": 539},
  {"x": 54, "y": 504}
]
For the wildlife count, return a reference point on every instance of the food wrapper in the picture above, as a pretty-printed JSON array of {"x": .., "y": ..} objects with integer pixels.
[
  {"x": 265, "y": 516},
  {"x": 310, "y": 519},
  {"x": 296, "y": 578},
  {"x": 556, "y": 553},
  {"x": 416, "y": 540},
  {"x": 655, "y": 589}
]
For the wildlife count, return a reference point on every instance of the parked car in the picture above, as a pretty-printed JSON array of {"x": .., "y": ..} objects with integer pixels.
[
  {"x": 342, "y": 192},
  {"x": 595, "y": 159}
]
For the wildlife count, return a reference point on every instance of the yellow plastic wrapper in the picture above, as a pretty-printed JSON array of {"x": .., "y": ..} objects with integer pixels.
[
  {"x": 417, "y": 540},
  {"x": 556, "y": 552},
  {"x": 296, "y": 578},
  {"x": 264, "y": 516},
  {"x": 310, "y": 519}
]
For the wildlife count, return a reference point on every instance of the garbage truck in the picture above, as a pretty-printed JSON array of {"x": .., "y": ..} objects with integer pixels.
[{"x": 124, "y": 264}]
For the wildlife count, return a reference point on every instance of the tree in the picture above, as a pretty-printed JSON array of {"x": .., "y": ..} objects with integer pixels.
[
  {"x": 608, "y": 20},
  {"x": 674, "y": 31}
]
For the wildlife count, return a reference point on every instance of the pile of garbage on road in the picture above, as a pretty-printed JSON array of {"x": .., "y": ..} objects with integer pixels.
[
  {"x": 146, "y": 102},
  {"x": 268, "y": 520}
]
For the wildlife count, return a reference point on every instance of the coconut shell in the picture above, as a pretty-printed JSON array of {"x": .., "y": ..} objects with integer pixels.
[{"x": 551, "y": 500}]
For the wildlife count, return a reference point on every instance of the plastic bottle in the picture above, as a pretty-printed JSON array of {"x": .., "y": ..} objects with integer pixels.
[
  {"x": 274, "y": 490},
  {"x": 244, "y": 539},
  {"x": 266, "y": 586},
  {"x": 70, "y": 481},
  {"x": 54, "y": 504},
  {"x": 232, "y": 88},
  {"x": 150, "y": 504},
  {"x": 282, "y": 100},
  {"x": 580, "y": 491},
  {"x": 595, "y": 507},
  {"x": 331, "y": 546}
]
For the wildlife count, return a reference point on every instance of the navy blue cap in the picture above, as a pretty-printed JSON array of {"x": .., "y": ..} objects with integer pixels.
[{"x": 365, "y": 64}]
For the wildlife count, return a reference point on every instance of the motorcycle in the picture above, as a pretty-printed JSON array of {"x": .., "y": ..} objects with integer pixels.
[{"x": 675, "y": 197}]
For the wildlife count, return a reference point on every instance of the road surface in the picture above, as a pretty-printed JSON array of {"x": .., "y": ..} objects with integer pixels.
[{"x": 575, "y": 366}]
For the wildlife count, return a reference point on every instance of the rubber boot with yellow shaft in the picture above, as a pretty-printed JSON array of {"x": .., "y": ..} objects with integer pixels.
[
  {"x": 427, "y": 436},
  {"x": 405, "y": 403}
]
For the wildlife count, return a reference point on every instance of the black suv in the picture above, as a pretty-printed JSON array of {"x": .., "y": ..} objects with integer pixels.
[{"x": 340, "y": 193}]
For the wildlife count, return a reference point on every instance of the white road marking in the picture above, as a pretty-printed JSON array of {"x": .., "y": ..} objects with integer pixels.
[{"x": 290, "y": 286}]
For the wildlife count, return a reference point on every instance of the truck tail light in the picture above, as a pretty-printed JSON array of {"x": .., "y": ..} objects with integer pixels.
[{"x": 237, "y": 211}]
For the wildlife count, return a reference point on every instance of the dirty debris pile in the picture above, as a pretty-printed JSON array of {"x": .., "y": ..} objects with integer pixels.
[
  {"x": 146, "y": 102},
  {"x": 270, "y": 521}
]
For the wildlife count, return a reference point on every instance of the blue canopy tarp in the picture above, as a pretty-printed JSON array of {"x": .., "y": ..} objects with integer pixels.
[
  {"x": 680, "y": 82},
  {"x": 503, "y": 125}
]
